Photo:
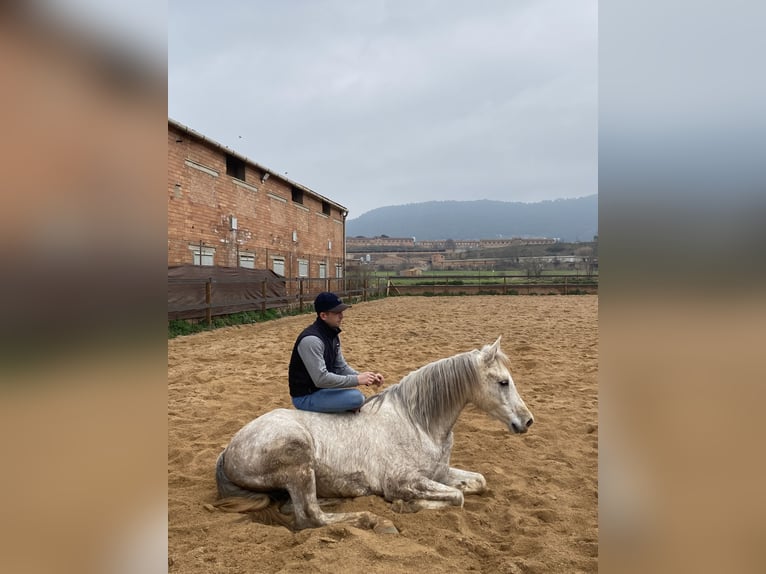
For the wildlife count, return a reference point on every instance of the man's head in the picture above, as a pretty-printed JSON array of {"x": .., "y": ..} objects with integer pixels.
[
  {"x": 329, "y": 302},
  {"x": 330, "y": 308}
]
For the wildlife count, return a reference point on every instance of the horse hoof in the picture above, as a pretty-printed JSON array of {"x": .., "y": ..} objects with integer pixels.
[{"x": 385, "y": 527}]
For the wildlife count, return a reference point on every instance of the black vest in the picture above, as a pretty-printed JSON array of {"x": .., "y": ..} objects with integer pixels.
[{"x": 298, "y": 376}]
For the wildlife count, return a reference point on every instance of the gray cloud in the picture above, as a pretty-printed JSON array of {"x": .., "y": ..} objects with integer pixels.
[{"x": 382, "y": 103}]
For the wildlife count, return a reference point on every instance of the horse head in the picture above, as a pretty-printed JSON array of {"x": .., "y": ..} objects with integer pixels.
[{"x": 496, "y": 394}]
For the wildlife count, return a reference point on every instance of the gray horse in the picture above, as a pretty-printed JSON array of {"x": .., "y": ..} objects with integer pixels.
[{"x": 398, "y": 446}]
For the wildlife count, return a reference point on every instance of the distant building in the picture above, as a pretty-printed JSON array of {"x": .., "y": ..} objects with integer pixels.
[
  {"x": 537, "y": 241},
  {"x": 390, "y": 262},
  {"x": 438, "y": 245},
  {"x": 381, "y": 241},
  {"x": 443, "y": 244},
  {"x": 413, "y": 272}
]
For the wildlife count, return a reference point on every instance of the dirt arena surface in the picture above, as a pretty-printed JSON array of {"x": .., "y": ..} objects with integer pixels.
[{"x": 540, "y": 512}]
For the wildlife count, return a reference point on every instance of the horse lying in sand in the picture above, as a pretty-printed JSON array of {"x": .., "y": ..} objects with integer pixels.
[{"x": 398, "y": 446}]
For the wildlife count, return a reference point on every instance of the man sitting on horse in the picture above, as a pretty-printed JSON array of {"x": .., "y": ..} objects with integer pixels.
[{"x": 320, "y": 379}]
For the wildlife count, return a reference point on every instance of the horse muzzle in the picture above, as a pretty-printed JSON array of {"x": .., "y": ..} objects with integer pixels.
[{"x": 521, "y": 428}]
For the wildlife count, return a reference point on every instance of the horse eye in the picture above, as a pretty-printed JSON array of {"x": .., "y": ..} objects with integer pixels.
[{"x": 504, "y": 383}]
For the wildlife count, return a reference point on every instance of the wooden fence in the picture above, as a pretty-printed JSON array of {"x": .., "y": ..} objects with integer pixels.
[
  {"x": 492, "y": 285},
  {"x": 208, "y": 297}
]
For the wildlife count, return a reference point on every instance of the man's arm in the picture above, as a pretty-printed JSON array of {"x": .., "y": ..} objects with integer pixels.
[
  {"x": 311, "y": 351},
  {"x": 342, "y": 367}
]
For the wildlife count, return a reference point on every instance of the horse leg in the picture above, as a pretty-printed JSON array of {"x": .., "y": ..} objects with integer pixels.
[
  {"x": 363, "y": 519},
  {"x": 422, "y": 492},
  {"x": 287, "y": 506},
  {"x": 287, "y": 463},
  {"x": 308, "y": 513},
  {"x": 466, "y": 481}
]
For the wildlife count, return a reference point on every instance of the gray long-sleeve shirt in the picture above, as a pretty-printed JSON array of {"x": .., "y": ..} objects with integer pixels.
[{"x": 311, "y": 351}]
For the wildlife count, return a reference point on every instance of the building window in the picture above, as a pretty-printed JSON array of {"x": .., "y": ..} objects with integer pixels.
[
  {"x": 338, "y": 270},
  {"x": 278, "y": 266},
  {"x": 247, "y": 260},
  {"x": 235, "y": 167},
  {"x": 202, "y": 255},
  {"x": 322, "y": 271},
  {"x": 303, "y": 268},
  {"x": 297, "y": 195},
  {"x": 326, "y": 209}
]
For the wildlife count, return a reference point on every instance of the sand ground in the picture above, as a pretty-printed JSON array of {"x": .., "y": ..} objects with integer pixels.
[{"x": 540, "y": 513}]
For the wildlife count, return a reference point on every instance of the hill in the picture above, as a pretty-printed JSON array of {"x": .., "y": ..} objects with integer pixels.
[{"x": 567, "y": 219}]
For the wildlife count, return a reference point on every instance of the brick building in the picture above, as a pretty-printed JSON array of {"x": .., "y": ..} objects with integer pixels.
[{"x": 226, "y": 210}]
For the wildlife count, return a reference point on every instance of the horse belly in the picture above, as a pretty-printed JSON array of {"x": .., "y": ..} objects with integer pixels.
[
  {"x": 345, "y": 455},
  {"x": 346, "y": 485},
  {"x": 368, "y": 458}
]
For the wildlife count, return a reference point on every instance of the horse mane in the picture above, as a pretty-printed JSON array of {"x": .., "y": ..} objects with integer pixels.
[{"x": 433, "y": 392}]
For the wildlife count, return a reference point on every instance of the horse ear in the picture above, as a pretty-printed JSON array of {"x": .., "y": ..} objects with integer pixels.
[{"x": 490, "y": 351}]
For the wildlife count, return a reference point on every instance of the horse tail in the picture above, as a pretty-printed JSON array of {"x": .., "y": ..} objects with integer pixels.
[
  {"x": 233, "y": 498},
  {"x": 228, "y": 490}
]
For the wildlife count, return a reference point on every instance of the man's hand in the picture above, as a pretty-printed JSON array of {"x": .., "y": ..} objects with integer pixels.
[{"x": 367, "y": 378}]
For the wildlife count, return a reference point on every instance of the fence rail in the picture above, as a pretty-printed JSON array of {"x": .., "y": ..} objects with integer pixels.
[
  {"x": 491, "y": 285},
  {"x": 207, "y": 297}
]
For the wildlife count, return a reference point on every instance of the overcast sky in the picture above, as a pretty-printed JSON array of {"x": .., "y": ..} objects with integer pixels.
[{"x": 374, "y": 103}]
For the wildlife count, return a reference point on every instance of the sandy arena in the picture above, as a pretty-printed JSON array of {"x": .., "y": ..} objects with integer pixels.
[{"x": 540, "y": 513}]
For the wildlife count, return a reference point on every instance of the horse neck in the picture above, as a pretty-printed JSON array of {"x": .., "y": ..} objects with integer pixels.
[{"x": 435, "y": 394}]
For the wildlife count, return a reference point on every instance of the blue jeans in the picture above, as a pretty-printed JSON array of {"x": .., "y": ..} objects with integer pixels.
[{"x": 330, "y": 401}]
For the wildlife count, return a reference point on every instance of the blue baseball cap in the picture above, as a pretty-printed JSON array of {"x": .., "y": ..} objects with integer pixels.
[{"x": 329, "y": 303}]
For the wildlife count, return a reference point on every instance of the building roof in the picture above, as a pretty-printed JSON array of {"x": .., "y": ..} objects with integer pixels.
[{"x": 179, "y": 126}]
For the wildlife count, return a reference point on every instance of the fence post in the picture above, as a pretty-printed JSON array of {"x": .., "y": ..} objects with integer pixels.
[
  {"x": 263, "y": 298},
  {"x": 300, "y": 294},
  {"x": 208, "y": 299}
]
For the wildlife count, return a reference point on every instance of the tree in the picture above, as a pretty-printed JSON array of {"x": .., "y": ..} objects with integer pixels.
[
  {"x": 358, "y": 275},
  {"x": 534, "y": 266},
  {"x": 589, "y": 261}
]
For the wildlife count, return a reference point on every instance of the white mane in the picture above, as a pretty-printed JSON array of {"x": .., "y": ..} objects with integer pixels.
[{"x": 435, "y": 391}]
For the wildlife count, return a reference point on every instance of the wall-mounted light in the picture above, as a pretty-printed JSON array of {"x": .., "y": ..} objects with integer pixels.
[
  {"x": 295, "y": 236},
  {"x": 329, "y": 245},
  {"x": 264, "y": 177},
  {"x": 233, "y": 221}
]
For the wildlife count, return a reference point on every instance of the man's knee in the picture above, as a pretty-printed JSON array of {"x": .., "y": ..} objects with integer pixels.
[{"x": 357, "y": 400}]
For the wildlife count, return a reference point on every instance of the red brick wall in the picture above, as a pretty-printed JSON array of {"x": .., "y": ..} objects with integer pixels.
[{"x": 200, "y": 206}]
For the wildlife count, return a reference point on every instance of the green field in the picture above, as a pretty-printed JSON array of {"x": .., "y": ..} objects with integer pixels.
[{"x": 469, "y": 273}]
